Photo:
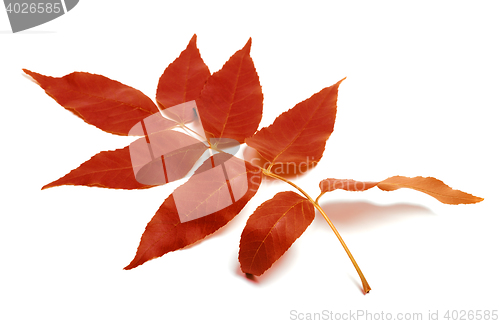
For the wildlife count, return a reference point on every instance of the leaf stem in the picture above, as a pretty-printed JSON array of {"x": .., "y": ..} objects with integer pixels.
[
  {"x": 366, "y": 286},
  {"x": 317, "y": 199}
]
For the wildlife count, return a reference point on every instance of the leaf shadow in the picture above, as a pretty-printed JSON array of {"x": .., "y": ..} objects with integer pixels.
[
  {"x": 357, "y": 283},
  {"x": 357, "y": 216}
]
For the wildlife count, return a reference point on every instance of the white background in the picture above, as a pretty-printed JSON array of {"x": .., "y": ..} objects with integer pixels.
[{"x": 420, "y": 98}]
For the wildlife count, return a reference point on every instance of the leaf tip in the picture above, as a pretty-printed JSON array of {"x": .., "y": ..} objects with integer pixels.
[
  {"x": 35, "y": 77},
  {"x": 30, "y": 73},
  {"x": 248, "y": 45},
  {"x": 133, "y": 264},
  {"x": 193, "y": 39},
  {"x": 476, "y": 199},
  {"x": 47, "y": 186}
]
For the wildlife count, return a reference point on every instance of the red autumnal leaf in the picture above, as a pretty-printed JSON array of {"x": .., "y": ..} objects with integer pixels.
[
  {"x": 107, "y": 104},
  {"x": 272, "y": 229},
  {"x": 106, "y": 169},
  {"x": 230, "y": 104},
  {"x": 182, "y": 81},
  {"x": 428, "y": 185},
  {"x": 299, "y": 135},
  {"x": 116, "y": 170},
  {"x": 212, "y": 197}
]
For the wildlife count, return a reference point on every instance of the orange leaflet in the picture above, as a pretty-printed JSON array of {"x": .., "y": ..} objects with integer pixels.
[
  {"x": 178, "y": 153},
  {"x": 217, "y": 192},
  {"x": 230, "y": 104},
  {"x": 299, "y": 135},
  {"x": 272, "y": 229},
  {"x": 331, "y": 184},
  {"x": 182, "y": 81},
  {"x": 107, "y": 104},
  {"x": 431, "y": 186}
]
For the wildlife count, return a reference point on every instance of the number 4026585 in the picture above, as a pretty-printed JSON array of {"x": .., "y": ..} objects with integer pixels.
[
  {"x": 34, "y": 8},
  {"x": 471, "y": 315}
]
